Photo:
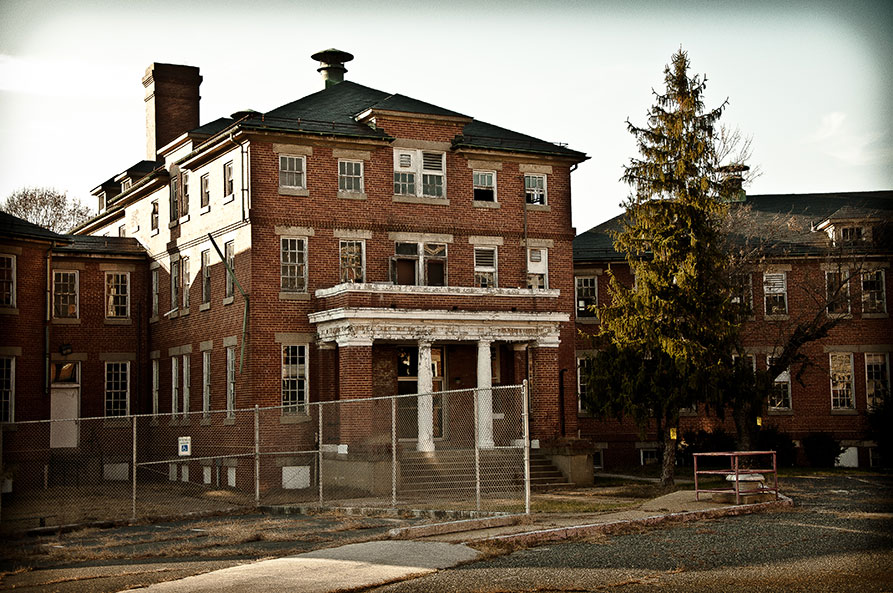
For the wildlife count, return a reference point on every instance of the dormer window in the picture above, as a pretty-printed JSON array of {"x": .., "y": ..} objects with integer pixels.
[
  {"x": 125, "y": 185},
  {"x": 851, "y": 235}
]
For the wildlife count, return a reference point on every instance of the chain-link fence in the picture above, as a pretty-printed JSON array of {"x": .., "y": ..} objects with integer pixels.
[{"x": 452, "y": 450}]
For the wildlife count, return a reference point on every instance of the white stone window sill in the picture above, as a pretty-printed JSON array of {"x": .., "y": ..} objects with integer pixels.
[
  {"x": 351, "y": 195},
  {"x": 229, "y": 198},
  {"x": 294, "y": 191},
  {"x": 421, "y": 200},
  {"x": 294, "y": 296},
  {"x": 204, "y": 209},
  {"x": 539, "y": 207},
  {"x": 481, "y": 204}
]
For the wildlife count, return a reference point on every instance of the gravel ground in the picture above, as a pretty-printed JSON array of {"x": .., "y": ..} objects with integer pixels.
[{"x": 838, "y": 538}]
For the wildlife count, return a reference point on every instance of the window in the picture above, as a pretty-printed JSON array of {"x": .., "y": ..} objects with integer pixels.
[
  {"x": 121, "y": 231},
  {"x": 419, "y": 264},
  {"x": 205, "y": 182},
  {"x": 155, "y": 293},
  {"x": 117, "y": 295},
  {"x": 153, "y": 223},
  {"x": 293, "y": 264},
  {"x": 206, "y": 383},
  {"x": 775, "y": 289},
  {"x": 117, "y": 388},
  {"x": 535, "y": 189},
  {"x": 484, "y": 186},
  {"x": 410, "y": 165},
  {"x": 877, "y": 378},
  {"x": 175, "y": 285},
  {"x": 156, "y": 383},
  {"x": 291, "y": 172},
  {"x": 851, "y": 235},
  {"x": 228, "y": 179},
  {"x": 229, "y": 252},
  {"x": 175, "y": 384},
  {"x": 187, "y": 372},
  {"x": 587, "y": 295},
  {"x": 780, "y": 394},
  {"x": 584, "y": 369},
  {"x": 230, "y": 381},
  {"x": 174, "y": 199},
  {"x": 65, "y": 294},
  {"x": 842, "y": 381},
  {"x": 184, "y": 281},
  {"x": 742, "y": 292},
  {"x": 837, "y": 287},
  {"x": 7, "y": 280},
  {"x": 7, "y": 388},
  {"x": 294, "y": 379},
  {"x": 184, "y": 194},
  {"x": 350, "y": 176},
  {"x": 485, "y": 267},
  {"x": 353, "y": 261},
  {"x": 206, "y": 276},
  {"x": 873, "y": 293},
  {"x": 538, "y": 269}
]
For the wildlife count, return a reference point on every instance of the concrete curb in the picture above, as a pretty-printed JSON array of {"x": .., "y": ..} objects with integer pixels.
[
  {"x": 414, "y": 531},
  {"x": 531, "y": 538}
]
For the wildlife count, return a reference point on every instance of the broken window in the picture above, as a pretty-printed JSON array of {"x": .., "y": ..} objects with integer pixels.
[
  {"x": 353, "y": 262},
  {"x": 484, "y": 186},
  {"x": 485, "y": 267},
  {"x": 65, "y": 294},
  {"x": 775, "y": 290},
  {"x": 294, "y": 379},
  {"x": 535, "y": 189},
  {"x": 117, "y": 295}
]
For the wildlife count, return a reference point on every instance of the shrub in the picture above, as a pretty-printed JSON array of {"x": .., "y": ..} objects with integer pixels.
[
  {"x": 822, "y": 449},
  {"x": 769, "y": 438},
  {"x": 705, "y": 442}
]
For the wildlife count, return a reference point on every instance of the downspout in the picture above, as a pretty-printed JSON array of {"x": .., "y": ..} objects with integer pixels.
[
  {"x": 47, "y": 321},
  {"x": 243, "y": 198},
  {"x": 524, "y": 244},
  {"x": 562, "y": 422}
]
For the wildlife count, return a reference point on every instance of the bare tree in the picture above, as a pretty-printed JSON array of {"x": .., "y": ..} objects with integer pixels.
[{"x": 46, "y": 207}]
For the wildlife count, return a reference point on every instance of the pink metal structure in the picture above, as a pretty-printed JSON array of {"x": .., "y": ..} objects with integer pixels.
[{"x": 737, "y": 470}]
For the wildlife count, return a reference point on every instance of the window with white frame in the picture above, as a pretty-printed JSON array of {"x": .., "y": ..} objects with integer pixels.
[
  {"x": 187, "y": 372},
  {"x": 175, "y": 384},
  {"x": 352, "y": 257},
  {"x": 205, "y": 182},
  {"x": 229, "y": 252},
  {"x": 117, "y": 295},
  {"x": 156, "y": 385},
  {"x": 184, "y": 194},
  {"x": 121, "y": 231},
  {"x": 206, "y": 276},
  {"x": 7, "y": 280},
  {"x": 851, "y": 235},
  {"x": 873, "y": 292},
  {"x": 294, "y": 379},
  {"x": 484, "y": 186},
  {"x": 535, "y": 189},
  {"x": 292, "y": 170},
  {"x": 587, "y": 295},
  {"x": 174, "y": 199},
  {"x": 419, "y": 264},
  {"x": 184, "y": 281},
  {"x": 230, "y": 381},
  {"x": 228, "y": 187},
  {"x": 117, "y": 388},
  {"x": 837, "y": 291},
  {"x": 780, "y": 394},
  {"x": 65, "y": 294},
  {"x": 584, "y": 369},
  {"x": 412, "y": 165},
  {"x": 742, "y": 292},
  {"x": 175, "y": 285},
  {"x": 155, "y": 292},
  {"x": 153, "y": 220},
  {"x": 350, "y": 177},
  {"x": 7, "y": 388},
  {"x": 775, "y": 291},
  {"x": 537, "y": 268},
  {"x": 293, "y": 264},
  {"x": 841, "y": 366},
  {"x": 206, "y": 383},
  {"x": 485, "y": 267},
  {"x": 877, "y": 378}
]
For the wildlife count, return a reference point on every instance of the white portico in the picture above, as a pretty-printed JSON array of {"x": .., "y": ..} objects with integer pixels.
[{"x": 362, "y": 326}]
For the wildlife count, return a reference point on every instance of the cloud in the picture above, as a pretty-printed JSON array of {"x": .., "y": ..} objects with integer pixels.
[{"x": 838, "y": 138}]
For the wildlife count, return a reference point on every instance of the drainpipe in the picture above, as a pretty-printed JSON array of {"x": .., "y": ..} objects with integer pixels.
[
  {"x": 562, "y": 423},
  {"x": 47, "y": 321},
  {"x": 524, "y": 246}
]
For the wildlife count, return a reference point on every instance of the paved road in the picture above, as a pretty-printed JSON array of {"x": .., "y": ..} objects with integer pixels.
[{"x": 838, "y": 538}]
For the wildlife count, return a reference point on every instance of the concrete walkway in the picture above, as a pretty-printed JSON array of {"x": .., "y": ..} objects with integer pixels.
[{"x": 418, "y": 551}]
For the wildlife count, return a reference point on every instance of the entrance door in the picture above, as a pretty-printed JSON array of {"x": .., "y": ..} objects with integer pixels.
[
  {"x": 64, "y": 404},
  {"x": 407, "y": 383}
]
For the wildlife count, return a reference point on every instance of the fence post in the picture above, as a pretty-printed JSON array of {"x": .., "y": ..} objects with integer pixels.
[
  {"x": 256, "y": 456},
  {"x": 477, "y": 453},
  {"x": 133, "y": 494},
  {"x": 394, "y": 452},
  {"x": 525, "y": 414},
  {"x": 319, "y": 451}
]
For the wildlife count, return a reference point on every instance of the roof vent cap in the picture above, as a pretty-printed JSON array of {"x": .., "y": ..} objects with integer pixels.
[{"x": 331, "y": 65}]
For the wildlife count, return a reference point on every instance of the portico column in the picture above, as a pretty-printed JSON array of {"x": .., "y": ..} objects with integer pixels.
[
  {"x": 426, "y": 400},
  {"x": 485, "y": 396}
]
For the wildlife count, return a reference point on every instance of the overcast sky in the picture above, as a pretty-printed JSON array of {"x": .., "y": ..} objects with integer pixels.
[{"x": 810, "y": 81}]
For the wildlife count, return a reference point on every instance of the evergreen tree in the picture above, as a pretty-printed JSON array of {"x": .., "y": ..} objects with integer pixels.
[{"x": 665, "y": 340}]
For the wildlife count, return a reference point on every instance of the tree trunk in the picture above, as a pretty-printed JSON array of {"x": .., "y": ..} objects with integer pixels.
[
  {"x": 741, "y": 415},
  {"x": 668, "y": 468}
]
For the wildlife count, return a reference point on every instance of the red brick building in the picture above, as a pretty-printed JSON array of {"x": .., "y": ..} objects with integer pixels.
[
  {"x": 379, "y": 245},
  {"x": 813, "y": 242}
]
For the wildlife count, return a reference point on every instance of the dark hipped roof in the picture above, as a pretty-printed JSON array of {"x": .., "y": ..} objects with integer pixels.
[
  {"x": 102, "y": 245},
  {"x": 13, "y": 226},
  {"x": 787, "y": 219}
]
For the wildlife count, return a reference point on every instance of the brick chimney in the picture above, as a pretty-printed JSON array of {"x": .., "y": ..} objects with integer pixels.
[
  {"x": 331, "y": 65},
  {"x": 171, "y": 104}
]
